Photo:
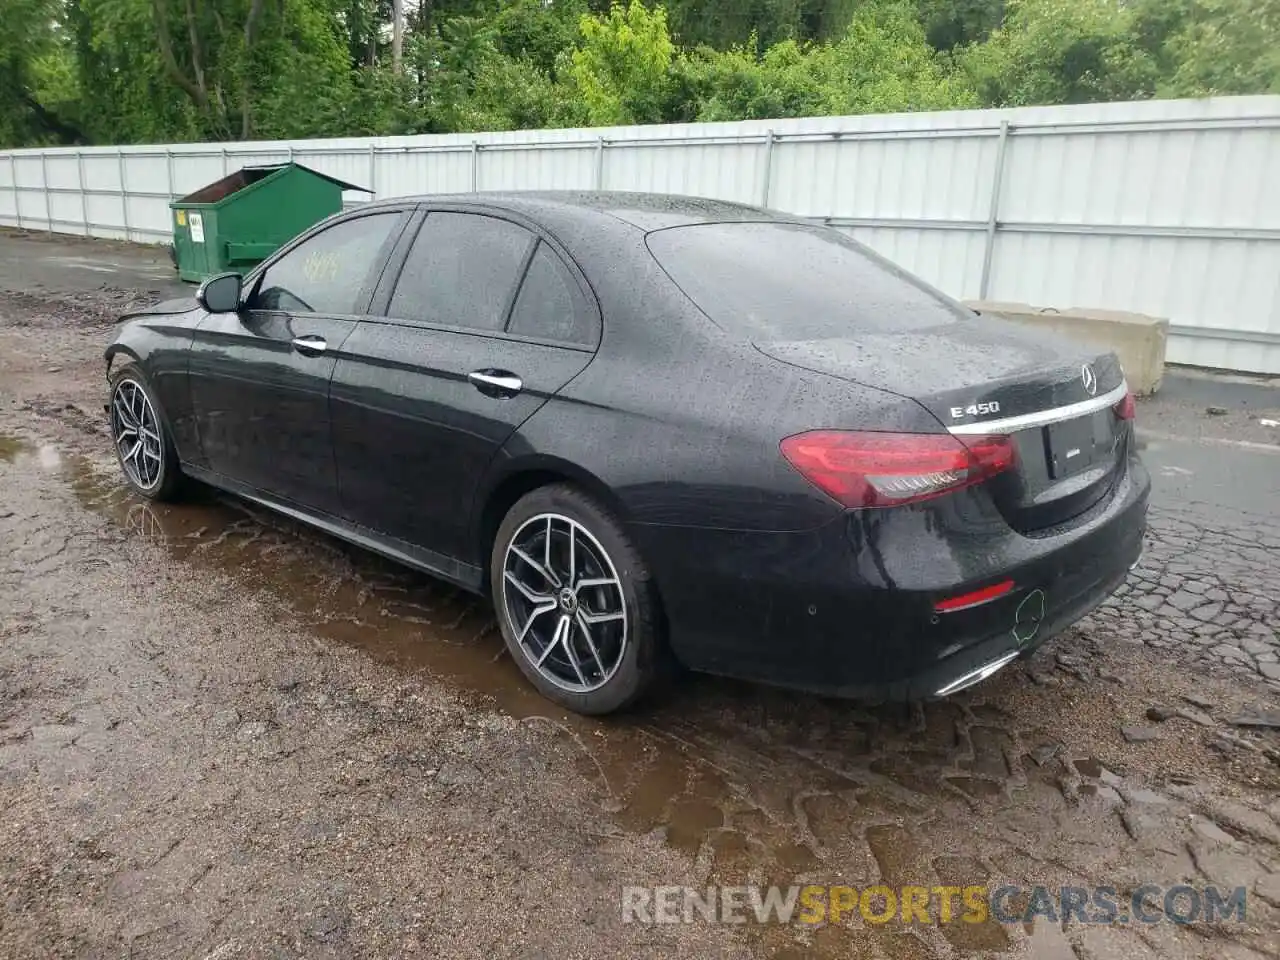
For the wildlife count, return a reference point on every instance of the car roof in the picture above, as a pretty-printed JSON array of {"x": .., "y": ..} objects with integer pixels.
[{"x": 642, "y": 211}]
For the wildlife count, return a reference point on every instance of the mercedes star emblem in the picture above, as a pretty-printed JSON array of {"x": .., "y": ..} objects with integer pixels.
[{"x": 1090, "y": 379}]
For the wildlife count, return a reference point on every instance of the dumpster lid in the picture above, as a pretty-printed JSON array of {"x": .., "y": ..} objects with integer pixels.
[{"x": 248, "y": 176}]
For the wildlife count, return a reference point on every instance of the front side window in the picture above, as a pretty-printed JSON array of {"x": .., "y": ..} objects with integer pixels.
[
  {"x": 462, "y": 271},
  {"x": 326, "y": 273}
]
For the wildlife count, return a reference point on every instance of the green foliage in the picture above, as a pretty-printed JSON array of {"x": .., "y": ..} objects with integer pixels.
[
  {"x": 881, "y": 64},
  {"x": 530, "y": 30},
  {"x": 1225, "y": 47},
  {"x": 723, "y": 25},
  {"x": 955, "y": 23},
  {"x": 884, "y": 64},
  {"x": 1062, "y": 51},
  {"x": 621, "y": 66},
  {"x": 37, "y": 77},
  {"x": 122, "y": 71}
]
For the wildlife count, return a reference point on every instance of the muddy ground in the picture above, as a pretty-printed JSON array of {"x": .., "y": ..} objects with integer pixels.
[{"x": 223, "y": 735}]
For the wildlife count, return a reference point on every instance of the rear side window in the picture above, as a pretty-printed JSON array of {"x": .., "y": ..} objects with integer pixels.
[
  {"x": 327, "y": 272},
  {"x": 782, "y": 281},
  {"x": 550, "y": 304},
  {"x": 462, "y": 271}
]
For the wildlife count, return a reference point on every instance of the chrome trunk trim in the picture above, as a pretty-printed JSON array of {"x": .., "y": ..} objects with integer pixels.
[{"x": 1042, "y": 417}]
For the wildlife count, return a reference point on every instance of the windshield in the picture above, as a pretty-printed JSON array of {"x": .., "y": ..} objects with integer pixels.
[{"x": 786, "y": 281}]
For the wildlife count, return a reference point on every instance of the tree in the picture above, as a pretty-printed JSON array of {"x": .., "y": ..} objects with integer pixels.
[
  {"x": 539, "y": 33},
  {"x": 1062, "y": 51},
  {"x": 956, "y": 23},
  {"x": 1224, "y": 47},
  {"x": 881, "y": 63},
  {"x": 884, "y": 63},
  {"x": 397, "y": 35},
  {"x": 124, "y": 71},
  {"x": 37, "y": 76},
  {"x": 728, "y": 23},
  {"x": 622, "y": 63},
  {"x": 226, "y": 55}
]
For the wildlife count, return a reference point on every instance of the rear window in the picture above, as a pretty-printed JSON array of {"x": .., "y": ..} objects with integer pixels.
[{"x": 783, "y": 281}]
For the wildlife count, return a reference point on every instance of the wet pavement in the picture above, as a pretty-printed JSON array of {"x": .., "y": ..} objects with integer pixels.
[
  {"x": 60, "y": 264},
  {"x": 223, "y": 734}
]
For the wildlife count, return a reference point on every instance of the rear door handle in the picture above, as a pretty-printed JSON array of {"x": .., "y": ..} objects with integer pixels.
[
  {"x": 310, "y": 344},
  {"x": 496, "y": 383}
]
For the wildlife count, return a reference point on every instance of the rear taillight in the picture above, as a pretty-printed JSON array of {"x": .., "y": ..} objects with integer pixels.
[
  {"x": 887, "y": 469},
  {"x": 1126, "y": 409}
]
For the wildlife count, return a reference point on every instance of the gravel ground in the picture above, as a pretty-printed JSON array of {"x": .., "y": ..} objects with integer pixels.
[{"x": 223, "y": 735}]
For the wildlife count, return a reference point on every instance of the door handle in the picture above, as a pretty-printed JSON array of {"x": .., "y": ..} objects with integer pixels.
[
  {"x": 311, "y": 343},
  {"x": 496, "y": 383}
]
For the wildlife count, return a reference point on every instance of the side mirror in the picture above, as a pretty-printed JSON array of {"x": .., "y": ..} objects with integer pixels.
[{"x": 220, "y": 294}]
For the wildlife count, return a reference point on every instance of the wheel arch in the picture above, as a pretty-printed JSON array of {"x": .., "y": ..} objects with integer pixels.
[
  {"x": 523, "y": 477},
  {"x": 126, "y": 353}
]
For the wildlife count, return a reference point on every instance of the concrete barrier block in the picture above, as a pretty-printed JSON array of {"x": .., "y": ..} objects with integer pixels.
[{"x": 1137, "y": 339}]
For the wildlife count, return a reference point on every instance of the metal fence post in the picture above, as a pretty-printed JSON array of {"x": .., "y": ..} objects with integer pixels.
[
  {"x": 993, "y": 212},
  {"x": 768, "y": 169},
  {"x": 599, "y": 163},
  {"x": 225, "y": 166},
  {"x": 84, "y": 200},
  {"x": 373, "y": 172},
  {"x": 168, "y": 187},
  {"x": 475, "y": 166},
  {"x": 44, "y": 183},
  {"x": 124, "y": 194},
  {"x": 17, "y": 194}
]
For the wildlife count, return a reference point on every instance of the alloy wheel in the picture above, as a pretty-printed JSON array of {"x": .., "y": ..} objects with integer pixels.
[
  {"x": 136, "y": 431},
  {"x": 564, "y": 603}
]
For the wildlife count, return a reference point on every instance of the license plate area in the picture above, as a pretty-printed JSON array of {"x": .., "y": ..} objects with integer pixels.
[{"x": 1070, "y": 447}]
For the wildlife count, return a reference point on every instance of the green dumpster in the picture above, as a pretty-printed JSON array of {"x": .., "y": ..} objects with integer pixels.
[{"x": 240, "y": 220}]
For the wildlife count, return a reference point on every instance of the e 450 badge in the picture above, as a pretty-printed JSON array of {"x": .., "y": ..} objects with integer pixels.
[{"x": 976, "y": 409}]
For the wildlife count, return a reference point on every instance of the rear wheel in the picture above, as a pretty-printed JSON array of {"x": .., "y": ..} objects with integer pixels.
[
  {"x": 141, "y": 440},
  {"x": 575, "y": 603}
]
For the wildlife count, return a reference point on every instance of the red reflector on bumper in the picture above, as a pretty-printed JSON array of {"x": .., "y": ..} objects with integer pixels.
[{"x": 977, "y": 597}]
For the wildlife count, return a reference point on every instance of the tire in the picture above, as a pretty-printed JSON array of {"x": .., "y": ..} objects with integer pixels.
[
  {"x": 153, "y": 471},
  {"x": 624, "y": 656}
]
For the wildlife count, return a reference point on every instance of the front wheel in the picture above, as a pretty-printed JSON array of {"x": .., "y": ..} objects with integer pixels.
[
  {"x": 575, "y": 602},
  {"x": 141, "y": 440}
]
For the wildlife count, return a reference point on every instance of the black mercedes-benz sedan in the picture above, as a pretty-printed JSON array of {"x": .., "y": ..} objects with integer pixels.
[{"x": 654, "y": 429}]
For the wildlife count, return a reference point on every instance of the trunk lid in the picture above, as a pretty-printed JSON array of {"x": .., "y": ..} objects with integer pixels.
[{"x": 979, "y": 376}]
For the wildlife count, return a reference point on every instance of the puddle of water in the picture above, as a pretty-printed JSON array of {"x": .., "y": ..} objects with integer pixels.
[
  {"x": 16, "y": 450},
  {"x": 757, "y": 784},
  {"x": 10, "y": 447}
]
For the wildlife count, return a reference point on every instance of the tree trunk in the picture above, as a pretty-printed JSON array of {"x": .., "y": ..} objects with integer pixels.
[
  {"x": 194, "y": 89},
  {"x": 64, "y": 131},
  {"x": 397, "y": 35},
  {"x": 246, "y": 85}
]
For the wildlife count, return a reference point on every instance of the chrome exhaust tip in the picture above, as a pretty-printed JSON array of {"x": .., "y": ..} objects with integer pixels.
[{"x": 976, "y": 676}]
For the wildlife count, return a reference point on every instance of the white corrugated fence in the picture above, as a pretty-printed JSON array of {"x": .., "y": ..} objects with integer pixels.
[{"x": 1169, "y": 208}]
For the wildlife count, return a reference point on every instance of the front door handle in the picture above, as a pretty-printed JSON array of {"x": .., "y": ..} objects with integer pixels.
[
  {"x": 496, "y": 383},
  {"x": 310, "y": 344}
]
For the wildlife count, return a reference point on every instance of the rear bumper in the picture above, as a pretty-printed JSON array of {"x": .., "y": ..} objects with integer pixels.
[
  {"x": 976, "y": 662},
  {"x": 848, "y": 609}
]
